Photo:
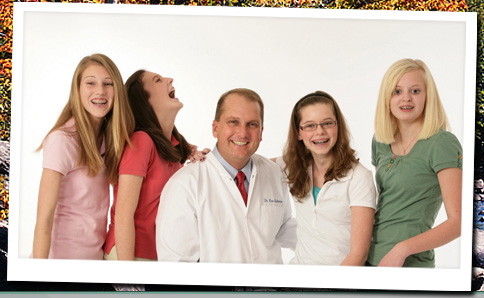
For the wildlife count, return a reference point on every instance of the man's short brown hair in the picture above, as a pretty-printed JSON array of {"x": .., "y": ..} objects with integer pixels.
[{"x": 247, "y": 94}]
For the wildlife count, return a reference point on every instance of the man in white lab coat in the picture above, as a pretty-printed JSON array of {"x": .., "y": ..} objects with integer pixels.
[{"x": 209, "y": 212}]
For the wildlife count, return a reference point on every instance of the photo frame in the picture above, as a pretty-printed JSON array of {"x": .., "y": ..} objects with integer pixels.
[{"x": 281, "y": 53}]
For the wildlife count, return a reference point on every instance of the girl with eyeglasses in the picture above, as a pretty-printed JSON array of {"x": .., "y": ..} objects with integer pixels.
[
  {"x": 419, "y": 166},
  {"x": 334, "y": 194}
]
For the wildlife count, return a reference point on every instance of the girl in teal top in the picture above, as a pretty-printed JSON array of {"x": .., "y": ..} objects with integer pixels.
[{"x": 418, "y": 166}]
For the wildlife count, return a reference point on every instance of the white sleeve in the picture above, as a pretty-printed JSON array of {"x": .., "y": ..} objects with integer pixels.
[
  {"x": 177, "y": 238},
  {"x": 280, "y": 162},
  {"x": 287, "y": 236},
  {"x": 361, "y": 190}
]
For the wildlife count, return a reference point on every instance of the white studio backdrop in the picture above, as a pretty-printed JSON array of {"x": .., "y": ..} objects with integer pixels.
[{"x": 283, "y": 54}]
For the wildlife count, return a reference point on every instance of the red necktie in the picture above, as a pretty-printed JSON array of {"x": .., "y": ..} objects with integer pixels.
[{"x": 240, "y": 185}]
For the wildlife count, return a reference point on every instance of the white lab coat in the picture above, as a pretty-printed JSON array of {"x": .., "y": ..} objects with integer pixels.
[{"x": 202, "y": 216}]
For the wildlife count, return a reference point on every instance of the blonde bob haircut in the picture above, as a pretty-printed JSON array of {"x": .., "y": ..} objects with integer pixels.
[
  {"x": 116, "y": 129},
  {"x": 434, "y": 115}
]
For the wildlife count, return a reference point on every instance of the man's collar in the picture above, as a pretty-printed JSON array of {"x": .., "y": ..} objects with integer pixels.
[{"x": 247, "y": 169}]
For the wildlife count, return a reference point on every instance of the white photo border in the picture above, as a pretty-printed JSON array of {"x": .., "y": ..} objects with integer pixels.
[{"x": 23, "y": 268}]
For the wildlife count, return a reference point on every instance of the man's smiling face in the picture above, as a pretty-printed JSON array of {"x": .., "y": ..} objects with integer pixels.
[{"x": 239, "y": 130}]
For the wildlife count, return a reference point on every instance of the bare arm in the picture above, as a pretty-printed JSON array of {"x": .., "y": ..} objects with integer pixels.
[
  {"x": 48, "y": 197},
  {"x": 450, "y": 181},
  {"x": 361, "y": 230},
  {"x": 129, "y": 187}
]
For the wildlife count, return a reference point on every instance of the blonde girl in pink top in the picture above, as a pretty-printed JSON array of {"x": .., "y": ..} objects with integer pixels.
[{"x": 81, "y": 154}]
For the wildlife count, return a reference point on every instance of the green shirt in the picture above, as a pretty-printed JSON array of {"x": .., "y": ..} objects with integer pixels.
[{"x": 409, "y": 193}]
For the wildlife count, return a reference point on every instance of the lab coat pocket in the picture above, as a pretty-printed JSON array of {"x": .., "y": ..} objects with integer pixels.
[{"x": 272, "y": 216}]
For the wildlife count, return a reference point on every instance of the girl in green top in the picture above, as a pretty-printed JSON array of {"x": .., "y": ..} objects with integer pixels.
[{"x": 418, "y": 167}]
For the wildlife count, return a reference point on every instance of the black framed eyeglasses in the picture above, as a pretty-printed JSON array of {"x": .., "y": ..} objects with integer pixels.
[{"x": 313, "y": 126}]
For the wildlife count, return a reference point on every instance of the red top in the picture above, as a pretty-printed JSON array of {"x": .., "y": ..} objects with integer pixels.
[{"x": 143, "y": 160}]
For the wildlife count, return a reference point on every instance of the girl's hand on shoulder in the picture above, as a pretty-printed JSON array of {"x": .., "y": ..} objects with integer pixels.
[
  {"x": 193, "y": 148},
  {"x": 198, "y": 155}
]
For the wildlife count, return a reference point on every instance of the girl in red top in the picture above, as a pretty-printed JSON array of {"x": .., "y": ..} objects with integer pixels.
[{"x": 158, "y": 150}]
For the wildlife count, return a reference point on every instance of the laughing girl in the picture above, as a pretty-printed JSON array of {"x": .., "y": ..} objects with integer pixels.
[{"x": 158, "y": 150}]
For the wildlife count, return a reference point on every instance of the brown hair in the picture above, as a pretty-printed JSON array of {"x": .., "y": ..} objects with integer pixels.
[
  {"x": 146, "y": 120},
  {"x": 247, "y": 94},
  {"x": 298, "y": 158},
  {"x": 117, "y": 127}
]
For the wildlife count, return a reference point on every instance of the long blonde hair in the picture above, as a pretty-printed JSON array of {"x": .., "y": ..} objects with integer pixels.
[
  {"x": 117, "y": 127},
  {"x": 434, "y": 114}
]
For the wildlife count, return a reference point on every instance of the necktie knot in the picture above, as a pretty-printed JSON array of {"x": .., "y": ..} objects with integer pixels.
[
  {"x": 240, "y": 177},
  {"x": 240, "y": 185}
]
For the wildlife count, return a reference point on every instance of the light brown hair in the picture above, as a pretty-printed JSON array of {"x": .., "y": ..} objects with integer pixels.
[
  {"x": 298, "y": 158},
  {"x": 247, "y": 94}
]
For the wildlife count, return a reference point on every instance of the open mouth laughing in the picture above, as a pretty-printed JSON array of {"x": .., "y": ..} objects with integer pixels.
[{"x": 172, "y": 94}]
